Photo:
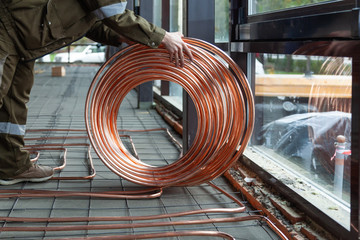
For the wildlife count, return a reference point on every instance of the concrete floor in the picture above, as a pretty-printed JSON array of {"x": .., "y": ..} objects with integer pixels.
[{"x": 58, "y": 103}]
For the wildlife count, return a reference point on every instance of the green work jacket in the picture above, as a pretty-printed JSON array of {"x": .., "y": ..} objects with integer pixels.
[{"x": 38, "y": 27}]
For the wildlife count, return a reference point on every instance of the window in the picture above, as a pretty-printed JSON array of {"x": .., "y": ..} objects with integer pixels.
[
  {"x": 221, "y": 21},
  {"x": 157, "y": 13},
  {"x": 176, "y": 16},
  {"x": 264, "y": 10},
  {"x": 262, "y": 6},
  {"x": 170, "y": 91},
  {"x": 303, "y": 123},
  {"x": 306, "y": 130}
]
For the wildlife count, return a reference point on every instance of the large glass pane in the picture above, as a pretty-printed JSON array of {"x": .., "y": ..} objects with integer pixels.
[
  {"x": 221, "y": 21},
  {"x": 157, "y": 12},
  {"x": 262, "y": 6},
  {"x": 303, "y": 125},
  {"x": 176, "y": 16},
  {"x": 82, "y": 51}
]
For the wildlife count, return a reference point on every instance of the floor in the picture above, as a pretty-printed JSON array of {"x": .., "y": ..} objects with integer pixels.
[{"x": 56, "y": 109}]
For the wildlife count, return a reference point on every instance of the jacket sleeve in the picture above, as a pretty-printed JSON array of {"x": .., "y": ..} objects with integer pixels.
[
  {"x": 136, "y": 28},
  {"x": 113, "y": 14},
  {"x": 101, "y": 33}
]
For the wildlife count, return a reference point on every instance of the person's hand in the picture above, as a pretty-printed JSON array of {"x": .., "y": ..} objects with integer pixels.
[{"x": 176, "y": 47}]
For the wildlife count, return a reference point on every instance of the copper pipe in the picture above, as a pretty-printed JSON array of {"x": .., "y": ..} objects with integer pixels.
[
  {"x": 223, "y": 102},
  {"x": 239, "y": 209},
  {"x": 132, "y": 225},
  {"x": 147, "y": 224},
  {"x": 158, "y": 235},
  {"x": 32, "y": 193},
  {"x": 61, "y": 167},
  {"x": 55, "y": 130},
  {"x": 35, "y": 193},
  {"x": 139, "y": 194},
  {"x": 33, "y": 151},
  {"x": 32, "y": 148},
  {"x": 55, "y": 138},
  {"x": 60, "y": 146}
]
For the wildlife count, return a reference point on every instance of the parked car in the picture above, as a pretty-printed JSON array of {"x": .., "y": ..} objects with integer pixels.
[
  {"x": 83, "y": 54},
  {"x": 309, "y": 139}
]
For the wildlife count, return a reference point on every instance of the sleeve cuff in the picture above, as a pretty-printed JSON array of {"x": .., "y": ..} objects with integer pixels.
[{"x": 156, "y": 37}]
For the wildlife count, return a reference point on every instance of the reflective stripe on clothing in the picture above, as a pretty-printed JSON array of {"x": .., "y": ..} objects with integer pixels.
[
  {"x": 2, "y": 62},
  {"x": 110, "y": 10},
  {"x": 13, "y": 129}
]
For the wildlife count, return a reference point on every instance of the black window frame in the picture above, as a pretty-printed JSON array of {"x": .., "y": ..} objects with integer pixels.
[
  {"x": 311, "y": 9},
  {"x": 258, "y": 26},
  {"x": 272, "y": 32}
]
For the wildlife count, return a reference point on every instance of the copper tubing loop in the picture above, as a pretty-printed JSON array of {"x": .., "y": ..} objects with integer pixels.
[
  {"x": 37, "y": 148},
  {"x": 222, "y": 98},
  {"x": 239, "y": 209}
]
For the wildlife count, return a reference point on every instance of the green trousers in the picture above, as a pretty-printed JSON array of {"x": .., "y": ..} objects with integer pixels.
[{"x": 16, "y": 80}]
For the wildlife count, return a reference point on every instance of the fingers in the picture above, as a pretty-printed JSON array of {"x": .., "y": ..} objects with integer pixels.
[
  {"x": 177, "y": 60},
  {"x": 178, "y": 55},
  {"x": 174, "y": 58},
  {"x": 188, "y": 52},
  {"x": 176, "y": 47}
]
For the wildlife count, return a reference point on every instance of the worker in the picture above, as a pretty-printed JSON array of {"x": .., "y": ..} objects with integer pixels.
[{"x": 31, "y": 29}]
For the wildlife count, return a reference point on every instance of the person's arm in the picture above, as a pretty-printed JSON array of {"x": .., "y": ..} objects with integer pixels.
[
  {"x": 103, "y": 34},
  {"x": 129, "y": 25},
  {"x": 172, "y": 41},
  {"x": 135, "y": 28}
]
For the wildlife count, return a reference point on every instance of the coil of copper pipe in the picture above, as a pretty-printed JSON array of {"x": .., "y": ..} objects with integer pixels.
[{"x": 222, "y": 98}]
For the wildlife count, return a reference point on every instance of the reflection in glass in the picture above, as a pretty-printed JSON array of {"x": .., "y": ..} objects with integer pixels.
[
  {"x": 303, "y": 119},
  {"x": 262, "y": 6}
]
